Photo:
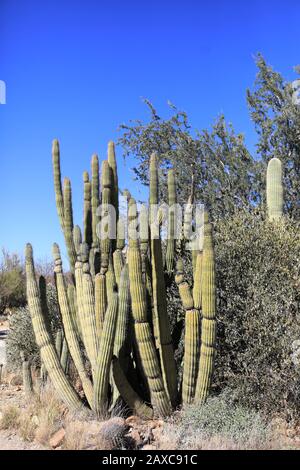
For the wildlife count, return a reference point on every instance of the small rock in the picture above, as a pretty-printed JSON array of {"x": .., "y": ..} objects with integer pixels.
[
  {"x": 57, "y": 438},
  {"x": 16, "y": 380},
  {"x": 35, "y": 420},
  {"x": 133, "y": 420},
  {"x": 291, "y": 433},
  {"x": 135, "y": 435},
  {"x": 148, "y": 447}
]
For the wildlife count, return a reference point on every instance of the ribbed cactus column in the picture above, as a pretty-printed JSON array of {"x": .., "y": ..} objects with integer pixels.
[
  {"x": 27, "y": 377},
  {"x": 43, "y": 338},
  {"x": 57, "y": 182},
  {"x": 88, "y": 318},
  {"x": 135, "y": 403},
  {"x": 95, "y": 198},
  {"x": 191, "y": 336},
  {"x": 112, "y": 161},
  {"x": 142, "y": 331},
  {"x": 161, "y": 319},
  {"x": 68, "y": 223},
  {"x": 87, "y": 210},
  {"x": 208, "y": 325},
  {"x": 172, "y": 221},
  {"x": 123, "y": 315},
  {"x": 100, "y": 301},
  {"x": 105, "y": 215},
  {"x": 63, "y": 204},
  {"x": 118, "y": 260},
  {"x": 274, "y": 189},
  {"x": 105, "y": 356},
  {"x": 69, "y": 327}
]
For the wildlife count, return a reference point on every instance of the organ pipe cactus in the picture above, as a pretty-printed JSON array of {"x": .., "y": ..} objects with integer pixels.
[
  {"x": 69, "y": 327},
  {"x": 44, "y": 340},
  {"x": 191, "y": 336},
  {"x": 142, "y": 331},
  {"x": 208, "y": 324},
  {"x": 26, "y": 373},
  {"x": 161, "y": 318},
  {"x": 114, "y": 308},
  {"x": 274, "y": 189}
]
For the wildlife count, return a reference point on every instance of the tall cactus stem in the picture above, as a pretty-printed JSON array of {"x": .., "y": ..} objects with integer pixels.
[
  {"x": 208, "y": 325},
  {"x": 274, "y": 189},
  {"x": 43, "y": 339}
]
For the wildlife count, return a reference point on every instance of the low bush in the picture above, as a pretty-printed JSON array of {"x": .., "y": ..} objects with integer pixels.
[
  {"x": 258, "y": 267},
  {"x": 21, "y": 335},
  {"x": 218, "y": 424}
]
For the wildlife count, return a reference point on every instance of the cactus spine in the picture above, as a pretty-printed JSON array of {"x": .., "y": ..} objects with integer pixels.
[{"x": 274, "y": 189}]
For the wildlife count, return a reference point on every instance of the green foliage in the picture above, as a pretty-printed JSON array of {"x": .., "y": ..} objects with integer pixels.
[
  {"x": 277, "y": 120},
  {"x": 12, "y": 282},
  {"x": 213, "y": 165},
  {"x": 257, "y": 265},
  {"x": 21, "y": 335}
]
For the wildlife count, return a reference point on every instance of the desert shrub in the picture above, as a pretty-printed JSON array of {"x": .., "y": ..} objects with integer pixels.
[
  {"x": 10, "y": 417},
  {"x": 219, "y": 423},
  {"x": 21, "y": 335},
  {"x": 12, "y": 281},
  {"x": 258, "y": 265}
]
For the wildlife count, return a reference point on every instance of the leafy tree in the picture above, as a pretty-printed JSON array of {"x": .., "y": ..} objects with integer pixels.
[
  {"x": 12, "y": 282},
  {"x": 213, "y": 165},
  {"x": 276, "y": 116}
]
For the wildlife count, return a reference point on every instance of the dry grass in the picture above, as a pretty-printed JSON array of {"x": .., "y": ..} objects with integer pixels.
[
  {"x": 10, "y": 417},
  {"x": 50, "y": 414}
]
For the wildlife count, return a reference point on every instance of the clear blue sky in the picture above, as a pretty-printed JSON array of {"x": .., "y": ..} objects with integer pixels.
[{"x": 76, "y": 69}]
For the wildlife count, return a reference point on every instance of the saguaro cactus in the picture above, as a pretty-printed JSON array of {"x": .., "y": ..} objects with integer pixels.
[{"x": 274, "y": 189}]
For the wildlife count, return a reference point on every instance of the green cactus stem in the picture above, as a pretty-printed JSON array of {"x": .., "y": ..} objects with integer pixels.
[
  {"x": 208, "y": 325},
  {"x": 142, "y": 331},
  {"x": 160, "y": 314},
  {"x": 27, "y": 377},
  {"x": 88, "y": 318},
  {"x": 105, "y": 215},
  {"x": 71, "y": 340},
  {"x": 132, "y": 399},
  {"x": 87, "y": 210},
  {"x": 68, "y": 223},
  {"x": 274, "y": 189},
  {"x": 100, "y": 301},
  {"x": 172, "y": 220},
  {"x": 112, "y": 161},
  {"x": 95, "y": 201},
  {"x": 104, "y": 359},
  {"x": 57, "y": 182},
  {"x": 43, "y": 339},
  {"x": 191, "y": 336}
]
